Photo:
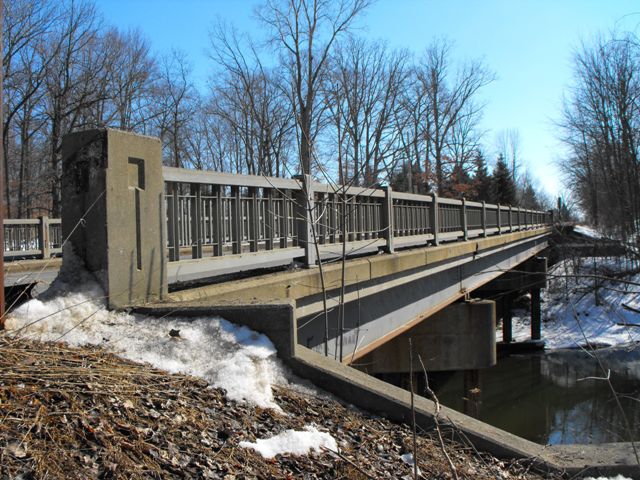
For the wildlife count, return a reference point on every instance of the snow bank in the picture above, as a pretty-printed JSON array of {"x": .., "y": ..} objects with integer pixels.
[
  {"x": 293, "y": 442},
  {"x": 587, "y": 231},
  {"x": 235, "y": 358},
  {"x": 570, "y": 315}
]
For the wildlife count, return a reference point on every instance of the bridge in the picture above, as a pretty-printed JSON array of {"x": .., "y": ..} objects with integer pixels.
[
  {"x": 362, "y": 267},
  {"x": 336, "y": 276}
]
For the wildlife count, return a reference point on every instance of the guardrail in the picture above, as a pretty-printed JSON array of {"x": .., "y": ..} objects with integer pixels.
[
  {"x": 217, "y": 214},
  {"x": 33, "y": 237}
]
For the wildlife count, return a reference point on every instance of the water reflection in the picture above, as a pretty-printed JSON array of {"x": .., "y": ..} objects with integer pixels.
[{"x": 550, "y": 399}]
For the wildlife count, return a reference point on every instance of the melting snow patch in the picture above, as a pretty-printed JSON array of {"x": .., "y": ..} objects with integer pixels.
[
  {"x": 408, "y": 459},
  {"x": 587, "y": 231},
  {"x": 293, "y": 442},
  {"x": 228, "y": 356},
  {"x": 617, "y": 477}
]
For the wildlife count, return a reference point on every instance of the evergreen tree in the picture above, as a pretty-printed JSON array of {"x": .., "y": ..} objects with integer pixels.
[
  {"x": 481, "y": 180},
  {"x": 503, "y": 188}
]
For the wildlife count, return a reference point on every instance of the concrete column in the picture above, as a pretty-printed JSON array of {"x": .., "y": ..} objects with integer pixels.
[
  {"x": 113, "y": 192},
  {"x": 196, "y": 222},
  {"x": 304, "y": 217},
  {"x": 484, "y": 219},
  {"x": 236, "y": 220},
  {"x": 434, "y": 218},
  {"x": 387, "y": 218},
  {"x": 536, "y": 324},
  {"x": 507, "y": 319},
  {"x": 465, "y": 223},
  {"x": 43, "y": 237}
]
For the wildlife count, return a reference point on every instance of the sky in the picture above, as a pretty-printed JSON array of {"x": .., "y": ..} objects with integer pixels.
[{"x": 528, "y": 44}]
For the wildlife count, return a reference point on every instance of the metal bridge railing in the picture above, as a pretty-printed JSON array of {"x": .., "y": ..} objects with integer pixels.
[
  {"x": 218, "y": 214},
  {"x": 37, "y": 237},
  {"x": 210, "y": 214}
]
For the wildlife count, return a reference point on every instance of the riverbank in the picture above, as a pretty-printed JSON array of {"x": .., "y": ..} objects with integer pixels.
[
  {"x": 589, "y": 302},
  {"x": 81, "y": 412}
]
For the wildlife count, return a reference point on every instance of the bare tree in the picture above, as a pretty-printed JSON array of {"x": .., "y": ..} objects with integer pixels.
[
  {"x": 26, "y": 28},
  {"x": 251, "y": 99},
  {"x": 508, "y": 144},
  {"x": 601, "y": 124},
  {"x": 450, "y": 100},
  {"x": 369, "y": 82},
  {"x": 178, "y": 100},
  {"x": 306, "y": 32}
]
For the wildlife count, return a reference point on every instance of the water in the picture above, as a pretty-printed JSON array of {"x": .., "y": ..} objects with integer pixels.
[{"x": 547, "y": 398}]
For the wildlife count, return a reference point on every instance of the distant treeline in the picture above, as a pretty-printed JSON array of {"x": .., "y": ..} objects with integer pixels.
[
  {"x": 601, "y": 126},
  {"x": 307, "y": 96}
]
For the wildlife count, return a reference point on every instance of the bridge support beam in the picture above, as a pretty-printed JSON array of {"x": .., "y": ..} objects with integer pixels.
[
  {"x": 459, "y": 337},
  {"x": 113, "y": 212}
]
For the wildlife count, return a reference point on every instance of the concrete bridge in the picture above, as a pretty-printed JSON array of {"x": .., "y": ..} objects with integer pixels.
[
  {"x": 152, "y": 232},
  {"x": 334, "y": 275}
]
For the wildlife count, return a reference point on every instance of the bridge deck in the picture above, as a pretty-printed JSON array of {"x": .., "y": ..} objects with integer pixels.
[{"x": 387, "y": 293}]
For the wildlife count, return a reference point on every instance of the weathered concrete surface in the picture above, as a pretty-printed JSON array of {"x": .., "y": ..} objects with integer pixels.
[
  {"x": 113, "y": 212},
  {"x": 369, "y": 393},
  {"x": 304, "y": 283},
  {"x": 276, "y": 320},
  {"x": 461, "y": 336},
  {"x": 385, "y": 295}
]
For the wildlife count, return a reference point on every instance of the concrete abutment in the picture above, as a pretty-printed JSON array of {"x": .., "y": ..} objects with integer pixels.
[{"x": 113, "y": 212}]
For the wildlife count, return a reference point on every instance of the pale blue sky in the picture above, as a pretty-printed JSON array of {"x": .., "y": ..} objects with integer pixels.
[{"x": 528, "y": 44}]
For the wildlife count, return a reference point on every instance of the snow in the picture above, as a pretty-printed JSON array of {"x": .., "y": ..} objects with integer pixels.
[
  {"x": 617, "y": 477},
  {"x": 587, "y": 231},
  {"x": 571, "y": 317},
  {"x": 228, "y": 356},
  {"x": 293, "y": 442},
  {"x": 408, "y": 459}
]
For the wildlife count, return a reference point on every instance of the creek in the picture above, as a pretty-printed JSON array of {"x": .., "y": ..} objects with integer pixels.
[{"x": 557, "y": 397}]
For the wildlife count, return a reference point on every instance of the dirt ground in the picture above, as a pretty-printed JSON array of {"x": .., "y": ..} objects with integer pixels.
[{"x": 85, "y": 413}]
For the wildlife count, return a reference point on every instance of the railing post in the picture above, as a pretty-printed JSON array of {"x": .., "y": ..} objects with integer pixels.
[
  {"x": 332, "y": 223},
  {"x": 254, "y": 220},
  {"x": 305, "y": 206},
  {"x": 465, "y": 224},
  {"x": 519, "y": 218},
  {"x": 284, "y": 220},
  {"x": 218, "y": 219},
  {"x": 484, "y": 219},
  {"x": 510, "y": 218},
  {"x": 174, "y": 228},
  {"x": 269, "y": 220},
  {"x": 43, "y": 237},
  {"x": 236, "y": 220},
  {"x": 196, "y": 222},
  {"x": 499, "y": 220},
  {"x": 387, "y": 218},
  {"x": 435, "y": 218}
]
